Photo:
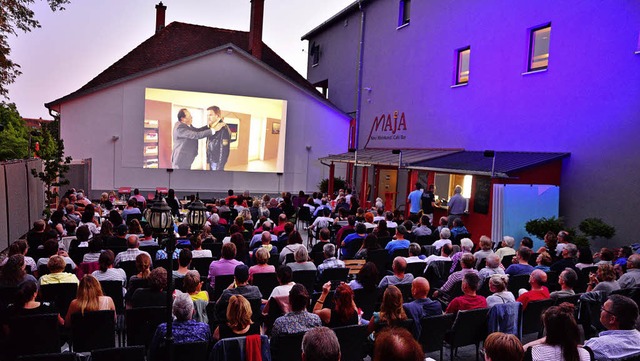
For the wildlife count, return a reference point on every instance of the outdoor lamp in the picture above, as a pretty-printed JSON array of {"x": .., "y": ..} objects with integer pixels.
[
  {"x": 160, "y": 216},
  {"x": 197, "y": 215}
]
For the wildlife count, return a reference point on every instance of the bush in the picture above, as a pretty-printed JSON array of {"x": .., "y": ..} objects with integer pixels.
[
  {"x": 338, "y": 183},
  {"x": 595, "y": 227},
  {"x": 540, "y": 226},
  {"x": 590, "y": 229}
]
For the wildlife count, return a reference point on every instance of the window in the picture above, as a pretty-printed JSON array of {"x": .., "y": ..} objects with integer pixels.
[
  {"x": 405, "y": 13},
  {"x": 314, "y": 53},
  {"x": 462, "y": 66},
  {"x": 539, "y": 48}
]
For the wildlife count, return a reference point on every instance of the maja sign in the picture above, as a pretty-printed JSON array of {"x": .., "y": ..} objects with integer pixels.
[{"x": 388, "y": 127}]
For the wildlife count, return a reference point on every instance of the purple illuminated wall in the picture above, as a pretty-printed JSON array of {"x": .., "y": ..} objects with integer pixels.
[{"x": 586, "y": 103}]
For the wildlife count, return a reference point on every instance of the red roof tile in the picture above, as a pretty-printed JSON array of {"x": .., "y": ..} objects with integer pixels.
[{"x": 178, "y": 41}]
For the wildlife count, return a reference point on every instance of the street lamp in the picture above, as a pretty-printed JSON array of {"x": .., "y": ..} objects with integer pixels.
[
  {"x": 161, "y": 221},
  {"x": 197, "y": 215}
]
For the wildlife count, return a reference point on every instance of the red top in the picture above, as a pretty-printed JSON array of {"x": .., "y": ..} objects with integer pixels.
[
  {"x": 533, "y": 295},
  {"x": 466, "y": 302}
]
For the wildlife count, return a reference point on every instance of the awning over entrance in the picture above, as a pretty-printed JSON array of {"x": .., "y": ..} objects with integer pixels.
[
  {"x": 476, "y": 163},
  {"x": 385, "y": 157}
]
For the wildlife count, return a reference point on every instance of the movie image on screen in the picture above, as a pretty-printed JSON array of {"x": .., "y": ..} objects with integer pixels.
[{"x": 206, "y": 131}]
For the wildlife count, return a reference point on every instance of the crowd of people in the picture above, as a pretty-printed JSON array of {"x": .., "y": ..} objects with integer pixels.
[{"x": 244, "y": 236}]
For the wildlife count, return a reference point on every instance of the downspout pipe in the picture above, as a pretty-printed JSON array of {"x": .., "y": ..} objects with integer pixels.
[{"x": 359, "y": 92}]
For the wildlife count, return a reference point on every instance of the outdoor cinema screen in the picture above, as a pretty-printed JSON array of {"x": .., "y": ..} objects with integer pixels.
[{"x": 206, "y": 131}]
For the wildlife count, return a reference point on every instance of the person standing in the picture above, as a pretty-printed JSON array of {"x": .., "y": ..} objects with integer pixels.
[
  {"x": 218, "y": 144},
  {"x": 457, "y": 205},
  {"x": 428, "y": 199},
  {"x": 414, "y": 201},
  {"x": 185, "y": 140}
]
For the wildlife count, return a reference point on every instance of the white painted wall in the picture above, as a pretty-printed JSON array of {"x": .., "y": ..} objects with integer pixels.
[{"x": 89, "y": 123}]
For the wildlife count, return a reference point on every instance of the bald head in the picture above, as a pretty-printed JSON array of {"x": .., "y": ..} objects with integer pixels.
[
  {"x": 537, "y": 278},
  {"x": 266, "y": 237},
  {"x": 132, "y": 241},
  {"x": 420, "y": 288},
  {"x": 399, "y": 265}
]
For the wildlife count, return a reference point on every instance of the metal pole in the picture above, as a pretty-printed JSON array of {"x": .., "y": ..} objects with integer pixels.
[{"x": 169, "y": 336}]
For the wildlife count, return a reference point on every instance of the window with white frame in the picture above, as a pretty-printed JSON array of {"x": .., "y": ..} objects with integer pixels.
[
  {"x": 462, "y": 65},
  {"x": 404, "y": 16},
  {"x": 539, "y": 47}
]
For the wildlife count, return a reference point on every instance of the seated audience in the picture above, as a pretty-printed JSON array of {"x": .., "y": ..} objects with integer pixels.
[
  {"x": 106, "y": 271},
  {"x": 184, "y": 261},
  {"x": 302, "y": 262},
  {"x": 485, "y": 249},
  {"x": 421, "y": 306},
  {"x": 330, "y": 261},
  {"x": 241, "y": 286},
  {"x": 500, "y": 346},
  {"x": 467, "y": 263},
  {"x": 13, "y": 273},
  {"x": 585, "y": 258},
  {"x": 192, "y": 285},
  {"x": 423, "y": 229},
  {"x": 344, "y": 312},
  {"x": 623, "y": 254},
  {"x": 395, "y": 343},
  {"x": 95, "y": 249},
  {"x": 266, "y": 244},
  {"x": 445, "y": 234},
  {"x": 198, "y": 252},
  {"x": 466, "y": 246},
  {"x": 399, "y": 242},
  {"x": 89, "y": 298},
  {"x": 143, "y": 266},
  {"x": 543, "y": 262},
  {"x": 22, "y": 247},
  {"x": 604, "y": 280},
  {"x": 225, "y": 265},
  {"x": 458, "y": 228},
  {"x": 320, "y": 344},
  {"x": 569, "y": 254},
  {"x": 185, "y": 330},
  {"x": 399, "y": 267},
  {"x": 298, "y": 320},
  {"x": 538, "y": 292},
  {"x": 26, "y": 305},
  {"x": 380, "y": 230},
  {"x": 370, "y": 244},
  {"x": 563, "y": 337},
  {"x": 415, "y": 255},
  {"x": 155, "y": 294},
  {"x": 470, "y": 300},
  {"x": 606, "y": 256},
  {"x": 133, "y": 250},
  {"x": 632, "y": 277},
  {"x": 56, "y": 266},
  {"x": 507, "y": 247},
  {"x": 567, "y": 281},
  {"x": 367, "y": 278},
  {"x": 500, "y": 294},
  {"x": 295, "y": 243},
  {"x": 238, "y": 321},
  {"x": 262, "y": 257},
  {"x": 621, "y": 339},
  {"x": 391, "y": 311},
  {"x": 285, "y": 277},
  {"x": 492, "y": 267},
  {"x": 521, "y": 264},
  {"x": 325, "y": 237},
  {"x": 147, "y": 234},
  {"x": 445, "y": 255},
  {"x": 347, "y": 248},
  {"x": 50, "y": 248}
]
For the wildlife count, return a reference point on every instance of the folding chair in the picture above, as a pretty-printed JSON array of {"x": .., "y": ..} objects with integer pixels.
[
  {"x": 469, "y": 328},
  {"x": 93, "y": 330}
]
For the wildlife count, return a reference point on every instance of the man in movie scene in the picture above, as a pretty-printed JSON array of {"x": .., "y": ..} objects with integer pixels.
[
  {"x": 185, "y": 139},
  {"x": 218, "y": 143}
]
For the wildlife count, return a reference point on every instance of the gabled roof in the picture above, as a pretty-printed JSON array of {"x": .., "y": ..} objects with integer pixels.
[
  {"x": 351, "y": 8},
  {"x": 475, "y": 162},
  {"x": 176, "y": 42}
]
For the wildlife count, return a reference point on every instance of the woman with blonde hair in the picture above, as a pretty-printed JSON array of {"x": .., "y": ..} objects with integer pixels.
[
  {"x": 391, "y": 311},
  {"x": 498, "y": 286},
  {"x": 262, "y": 266},
  {"x": 238, "y": 320},
  {"x": 89, "y": 298}
]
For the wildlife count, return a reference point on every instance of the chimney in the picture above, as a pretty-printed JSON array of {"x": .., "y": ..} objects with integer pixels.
[
  {"x": 255, "y": 30},
  {"x": 160, "y": 12}
]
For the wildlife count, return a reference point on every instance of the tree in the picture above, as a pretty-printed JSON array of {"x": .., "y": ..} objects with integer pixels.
[
  {"x": 55, "y": 165},
  {"x": 16, "y": 15},
  {"x": 14, "y": 137}
]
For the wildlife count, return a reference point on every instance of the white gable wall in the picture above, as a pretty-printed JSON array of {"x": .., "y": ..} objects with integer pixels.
[{"x": 88, "y": 124}]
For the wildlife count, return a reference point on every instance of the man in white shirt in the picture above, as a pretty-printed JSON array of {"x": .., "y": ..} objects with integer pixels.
[
  {"x": 445, "y": 234},
  {"x": 621, "y": 339},
  {"x": 445, "y": 255}
]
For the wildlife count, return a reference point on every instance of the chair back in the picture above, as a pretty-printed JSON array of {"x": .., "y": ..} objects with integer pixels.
[
  {"x": 266, "y": 282},
  {"x": 518, "y": 282},
  {"x": 152, "y": 250},
  {"x": 428, "y": 250},
  {"x": 482, "y": 264},
  {"x": 214, "y": 247},
  {"x": 552, "y": 281},
  {"x": 287, "y": 347},
  {"x": 113, "y": 289},
  {"x": 352, "y": 341},
  {"x": 192, "y": 351},
  {"x": 86, "y": 336},
  {"x": 201, "y": 264},
  {"x": 469, "y": 328},
  {"x": 129, "y": 267},
  {"x": 63, "y": 356},
  {"x": 506, "y": 318},
  {"x": 7, "y": 297},
  {"x": 422, "y": 240},
  {"x": 507, "y": 260},
  {"x": 416, "y": 268},
  {"x": 334, "y": 274},
  {"x": 61, "y": 294},
  {"x": 366, "y": 301},
  {"x": 437, "y": 273},
  {"x": 221, "y": 283},
  {"x": 433, "y": 330},
  {"x": 306, "y": 278},
  {"x": 34, "y": 334},
  {"x": 129, "y": 353},
  {"x": 573, "y": 299},
  {"x": 401, "y": 252},
  {"x": 382, "y": 241},
  {"x": 532, "y": 316},
  {"x": 141, "y": 324},
  {"x": 164, "y": 263},
  {"x": 233, "y": 348},
  {"x": 379, "y": 257}
]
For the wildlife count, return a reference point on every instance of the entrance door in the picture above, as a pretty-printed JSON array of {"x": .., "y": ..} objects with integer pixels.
[{"x": 388, "y": 187}]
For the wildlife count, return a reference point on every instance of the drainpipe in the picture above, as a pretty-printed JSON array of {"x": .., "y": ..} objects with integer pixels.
[{"x": 359, "y": 95}]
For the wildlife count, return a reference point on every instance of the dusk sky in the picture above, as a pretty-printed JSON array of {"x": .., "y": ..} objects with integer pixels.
[{"x": 75, "y": 45}]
